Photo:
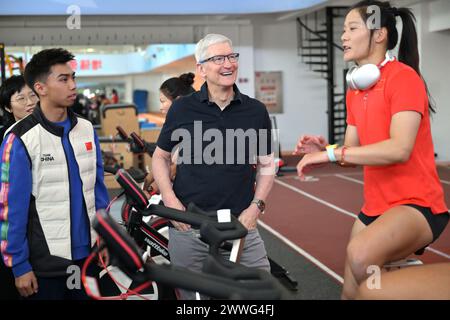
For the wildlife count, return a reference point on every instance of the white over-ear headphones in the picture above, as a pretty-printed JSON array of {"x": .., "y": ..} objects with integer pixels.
[{"x": 365, "y": 76}]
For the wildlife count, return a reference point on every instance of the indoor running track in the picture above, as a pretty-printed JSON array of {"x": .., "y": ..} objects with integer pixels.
[{"x": 315, "y": 217}]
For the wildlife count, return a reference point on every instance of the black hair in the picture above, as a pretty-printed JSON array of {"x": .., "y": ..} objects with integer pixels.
[
  {"x": 40, "y": 64},
  {"x": 178, "y": 86},
  {"x": 7, "y": 90},
  {"x": 408, "y": 52}
]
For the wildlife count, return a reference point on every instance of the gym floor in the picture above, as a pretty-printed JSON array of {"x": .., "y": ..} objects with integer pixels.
[{"x": 307, "y": 224}]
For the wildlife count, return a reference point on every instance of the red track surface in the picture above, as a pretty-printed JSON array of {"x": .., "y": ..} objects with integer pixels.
[{"x": 323, "y": 230}]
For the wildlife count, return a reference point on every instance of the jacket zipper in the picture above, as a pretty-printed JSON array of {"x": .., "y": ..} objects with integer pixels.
[
  {"x": 82, "y": 192},
  {"x": 70, "y": 192}
]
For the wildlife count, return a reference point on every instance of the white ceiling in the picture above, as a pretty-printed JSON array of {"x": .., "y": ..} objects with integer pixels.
[{"x": 153, "y": 7}]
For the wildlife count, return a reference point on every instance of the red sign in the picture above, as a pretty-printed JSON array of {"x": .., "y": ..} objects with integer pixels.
[{"x": 86, "y": 64}]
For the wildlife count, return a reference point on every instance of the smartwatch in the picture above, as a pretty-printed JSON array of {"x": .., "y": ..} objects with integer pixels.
[{"x": 260, "y": 204}]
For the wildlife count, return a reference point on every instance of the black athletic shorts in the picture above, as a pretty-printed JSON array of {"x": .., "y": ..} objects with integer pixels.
[{"x": 437, "y": 222}]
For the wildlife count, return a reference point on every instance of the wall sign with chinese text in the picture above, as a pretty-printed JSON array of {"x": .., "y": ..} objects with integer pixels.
[{"x": 268, "y": 90}]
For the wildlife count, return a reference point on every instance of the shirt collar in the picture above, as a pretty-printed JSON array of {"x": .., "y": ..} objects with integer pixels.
[
  {"x": 51, "y": 126},
  {"x": 205, "y": 98}
]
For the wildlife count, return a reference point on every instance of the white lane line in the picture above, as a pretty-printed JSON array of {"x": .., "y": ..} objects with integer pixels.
[
  {"x": 306, "y": 194},
  {"x": 443, "y": 254},
  {"x": 305, "y": 253},
  {"x": 319, "y": 175},
  {"x": 302, "y": 252},
  {"x": 445, "y": 182}
]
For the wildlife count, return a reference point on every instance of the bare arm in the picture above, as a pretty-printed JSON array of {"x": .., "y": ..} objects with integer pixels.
[
  {"x": 265, "y": 176},
  {"x": 351, "y": 137},
  {"x": 161, "y": 173},
  {"x": 161, "y": 162},
  {"x": 150, "y": 184},
  {"x": 308, "y": 143},
  {"x": 264, "y": 182},
  {"x": 396, "y": 149}
]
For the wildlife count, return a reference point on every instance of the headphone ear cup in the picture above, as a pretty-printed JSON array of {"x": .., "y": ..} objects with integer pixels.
[
  {"x": 364, "y": 77},
  {"x": 349, "y": 78}
]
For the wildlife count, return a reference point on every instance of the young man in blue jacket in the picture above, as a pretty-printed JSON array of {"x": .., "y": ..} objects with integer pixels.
[{"x": 51, "y": 184}]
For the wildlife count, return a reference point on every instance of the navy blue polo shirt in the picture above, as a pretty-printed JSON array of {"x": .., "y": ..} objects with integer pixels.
[{"x": 217, "y": 149}]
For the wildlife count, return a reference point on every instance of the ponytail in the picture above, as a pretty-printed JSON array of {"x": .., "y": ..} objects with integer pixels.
[
  {"x": 178, "y": 86},
  {"x": 408, "y": 51}
]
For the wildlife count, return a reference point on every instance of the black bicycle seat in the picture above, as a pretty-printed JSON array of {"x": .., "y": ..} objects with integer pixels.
[{"x": 132, "y": 189}]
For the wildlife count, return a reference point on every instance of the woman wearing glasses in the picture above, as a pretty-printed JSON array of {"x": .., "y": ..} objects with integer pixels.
[{"x": 17, "y": 101}]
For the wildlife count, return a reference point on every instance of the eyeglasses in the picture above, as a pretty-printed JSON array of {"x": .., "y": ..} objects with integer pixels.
[
  {"x": 23, "y": 99},
  {"x": 220, "y": 59}
]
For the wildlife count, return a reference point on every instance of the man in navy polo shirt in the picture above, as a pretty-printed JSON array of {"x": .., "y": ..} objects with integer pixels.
[{"x": 225, "y": 160}]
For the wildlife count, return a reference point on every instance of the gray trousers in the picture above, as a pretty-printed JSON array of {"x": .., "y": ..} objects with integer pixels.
[{"x": 188, "y": 251}]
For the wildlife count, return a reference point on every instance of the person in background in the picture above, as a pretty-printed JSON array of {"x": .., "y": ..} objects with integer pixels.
[
  {"x": 114, "y": 96},
  {"x": 173, "y": 88},
  {"x": 170, "y": 90},
  {"x": 17, "y": 101},
  {"x": 103, "y": 100},
  {"x": 80, "y": 107}
]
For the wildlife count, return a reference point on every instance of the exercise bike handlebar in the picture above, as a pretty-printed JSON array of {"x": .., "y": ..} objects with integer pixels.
[
  {"x": 255, "y": 284},
  {"x": 122, "y": 133},
  {"x": 137, "y": 144},
  {"x": 111, "y": 170},
  {"x": 137, "y": 140},
  {"x": 212, "y": 231},
  {"x": 216, "y": 286},
  {"x": 131, "y": 189}
]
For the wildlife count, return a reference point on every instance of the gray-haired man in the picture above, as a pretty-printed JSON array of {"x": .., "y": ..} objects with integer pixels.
[{"x": 225, "y": 159}]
